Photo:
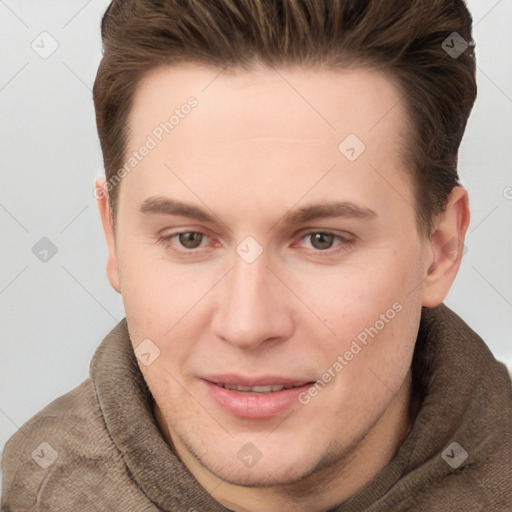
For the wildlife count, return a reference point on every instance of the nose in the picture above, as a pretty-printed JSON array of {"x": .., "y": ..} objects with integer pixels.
[{"x": 253, "y": 307}]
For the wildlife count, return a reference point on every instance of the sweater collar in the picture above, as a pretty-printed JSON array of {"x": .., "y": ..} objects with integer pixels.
[{"x": 458, "y": 387}]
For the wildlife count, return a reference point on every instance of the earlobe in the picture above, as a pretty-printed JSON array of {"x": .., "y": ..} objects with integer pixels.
[
  {"x": 101, "y": 194},
  {"x": 447, "y": 248}
]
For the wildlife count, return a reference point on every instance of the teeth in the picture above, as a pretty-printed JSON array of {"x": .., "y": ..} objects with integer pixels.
[{"x": 255, "y": 389}]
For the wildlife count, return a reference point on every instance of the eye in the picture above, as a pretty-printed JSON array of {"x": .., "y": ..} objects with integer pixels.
[
  {"x": 321, "y": 241},
  {"x": 190, "y": 239},
  {"x": 189, "y": 243}
]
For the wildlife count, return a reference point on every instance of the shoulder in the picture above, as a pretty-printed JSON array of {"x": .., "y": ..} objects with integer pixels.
[{"x": 64, "y": 455}]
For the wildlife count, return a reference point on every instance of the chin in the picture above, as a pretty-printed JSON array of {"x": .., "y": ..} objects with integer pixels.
[
  {"x": 276, "y": 469},
  {"x": 265, "y": 476}
]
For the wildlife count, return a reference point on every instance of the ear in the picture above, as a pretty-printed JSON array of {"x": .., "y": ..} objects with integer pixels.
[
  {"x": 101, "y": 194},
  {"x": 446, "y": 245}
]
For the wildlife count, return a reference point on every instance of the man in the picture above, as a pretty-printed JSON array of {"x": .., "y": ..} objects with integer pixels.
[{"x": 283, "y": 219}]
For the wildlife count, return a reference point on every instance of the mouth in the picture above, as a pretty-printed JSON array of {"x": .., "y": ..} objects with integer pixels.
[
  {"x": 255, "y": 398},
  {"x": 260, "y": 390}
]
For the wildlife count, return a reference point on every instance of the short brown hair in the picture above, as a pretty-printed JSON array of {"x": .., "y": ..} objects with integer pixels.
[{"x": 403, "y": 37}]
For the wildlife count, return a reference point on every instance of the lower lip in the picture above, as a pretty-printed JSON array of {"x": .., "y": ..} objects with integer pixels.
[{"x": 255, "y": 405}]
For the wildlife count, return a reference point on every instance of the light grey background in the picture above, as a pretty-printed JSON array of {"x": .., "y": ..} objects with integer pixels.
[{"x": 55, "y": 314}]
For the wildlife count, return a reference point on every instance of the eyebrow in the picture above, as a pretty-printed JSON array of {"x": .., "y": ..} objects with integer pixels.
[
  {"x": 326, "y": 209},
  {"x": 166, "y": 206}
]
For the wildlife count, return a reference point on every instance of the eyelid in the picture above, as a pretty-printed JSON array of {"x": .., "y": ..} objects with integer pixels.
[
  {"x": 166, "y": 239},
  {"x": 346, "y": 241},
  {"x": 326, "y": 231}
]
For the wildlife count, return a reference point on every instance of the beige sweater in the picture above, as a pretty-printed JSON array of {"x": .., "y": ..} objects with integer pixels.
[{"x": 97, "y": 448}]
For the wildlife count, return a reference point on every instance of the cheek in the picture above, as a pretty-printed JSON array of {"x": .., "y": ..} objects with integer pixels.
[
  {"x": 374, "y": 317},
  {"x": 162, "y": 304},
  {"x": 350, "y": 298},
  {"x": 151, "y": 287},
  {"x": 368, "y": 364}
]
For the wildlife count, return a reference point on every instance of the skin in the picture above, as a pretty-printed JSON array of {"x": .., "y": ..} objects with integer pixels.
[{"x": 250, "y": 152}]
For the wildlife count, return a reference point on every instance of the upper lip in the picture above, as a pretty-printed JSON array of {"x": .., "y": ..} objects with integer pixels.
[{"x": 266, "y": 380}]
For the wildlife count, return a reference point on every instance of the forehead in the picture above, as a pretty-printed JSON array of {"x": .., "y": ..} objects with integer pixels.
[
  {"x": 272, "y": 101},
  {"x": 274, "y": 130}
]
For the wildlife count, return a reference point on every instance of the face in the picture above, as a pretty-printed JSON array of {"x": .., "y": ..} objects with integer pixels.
[{"x": 258, "y": 243}]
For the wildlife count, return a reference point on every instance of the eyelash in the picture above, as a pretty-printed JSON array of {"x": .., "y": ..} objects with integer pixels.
[{"x": 345, "y": 241}]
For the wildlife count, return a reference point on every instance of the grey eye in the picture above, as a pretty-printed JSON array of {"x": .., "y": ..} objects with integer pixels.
[
  {"x": 322, "y": 240},
  {"x": 191, "y": 239}
]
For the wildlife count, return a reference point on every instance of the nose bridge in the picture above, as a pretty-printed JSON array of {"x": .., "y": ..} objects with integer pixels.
[
  {"x": 248, "y": 282},
  {"x": 250, "y": 309}
]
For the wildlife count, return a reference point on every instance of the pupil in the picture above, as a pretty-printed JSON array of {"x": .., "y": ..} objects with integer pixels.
[
  {"x": 189, "y": 240},
  {"x": 325, "y": 240}
]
